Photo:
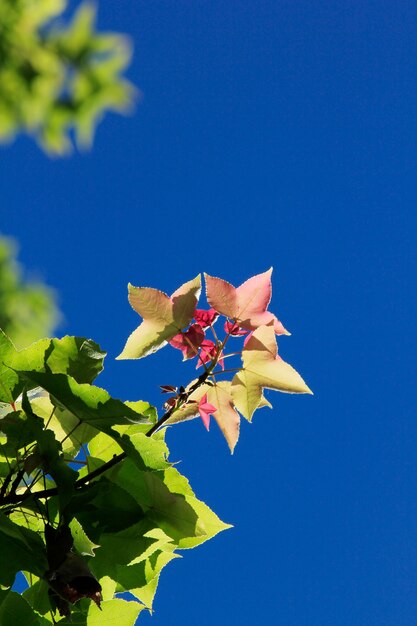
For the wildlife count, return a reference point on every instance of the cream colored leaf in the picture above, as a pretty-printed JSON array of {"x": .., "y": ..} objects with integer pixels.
[
  {"x": 263, "y": 368},
  {"x": 163, "y": 317}
]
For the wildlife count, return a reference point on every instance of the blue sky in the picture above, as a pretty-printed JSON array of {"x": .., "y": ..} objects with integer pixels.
[{"x": 269, "y": 133}]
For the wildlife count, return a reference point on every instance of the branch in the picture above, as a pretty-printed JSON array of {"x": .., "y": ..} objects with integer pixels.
[{"x": 15, "y": 498}]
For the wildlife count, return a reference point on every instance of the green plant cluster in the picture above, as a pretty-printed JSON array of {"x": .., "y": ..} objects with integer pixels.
[
  {"x": 89, "y": 503},
  {"x": 27, "y": 309},
  {"x": 55, "y": 78}
]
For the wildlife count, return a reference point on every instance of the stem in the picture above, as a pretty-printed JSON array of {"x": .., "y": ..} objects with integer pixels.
[
  {"x": 16, "y": 481},
  {"x": 5, "y": 484},
  {"x": 232, "y": 369},
  {"x": 49, "y": 418},
  {"x": 216, "y": 339},
  {"x": 226, "y": 356},
  {"x": 192, "y": 346},
  {"x": 14, "y": 498},
  {"x": 71, "y": 432}
]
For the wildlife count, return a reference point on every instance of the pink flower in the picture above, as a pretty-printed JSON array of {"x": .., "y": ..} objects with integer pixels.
[{"x": 206, "y": 409}]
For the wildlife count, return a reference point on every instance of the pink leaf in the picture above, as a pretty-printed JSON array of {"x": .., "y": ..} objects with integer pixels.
[
  {"x": 247, "y": 339},
  {"x": 168, "y": 389},
  {"x": 246, "y": 304},
  {"x": 206, "y": 409},
  {"x": 208, "y": 353},
  {"x": 233, "y": 329},
  {"x": 189, "y": 341},
  {"x": 205, "y": 318}
]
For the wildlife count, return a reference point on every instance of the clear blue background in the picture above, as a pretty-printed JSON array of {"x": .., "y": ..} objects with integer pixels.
[{"x": 269, "y": 133}]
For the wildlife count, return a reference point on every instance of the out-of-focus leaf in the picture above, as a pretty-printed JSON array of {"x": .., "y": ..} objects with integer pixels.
[
  {"x": 56, "y": 80},
  {"x": 27, "y": 308},
  {"x": 8, "y": 378}
]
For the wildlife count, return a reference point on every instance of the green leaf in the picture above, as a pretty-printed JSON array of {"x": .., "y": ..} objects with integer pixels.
[
  {"x": 8, "y": 378},
  {"x": 209, "y": 524},
  {"x": 82, "y": 544},
  {"x": 20, "y": 431},
  {"x": 94, "y": 406},
  {"x": 144, "y": 451},
  {"x": 141, "y": 579},
  {"x": 64, "y": 424},
  {"x": 134, "y": 558},
  {"x": 53, "y": 464},
  {"x": 32, "y": 357},
  {"x": 131, "y": 545},
  {"x": 90, "y": 404},
  {"x": 168, "y": 500},
  {"x": 16, "y": 610},
  {"x": 103, "y": 507},
  {"x": 20, "y": 549},
  {"x": 37, "y": 596},
  {"x": 152, "y": 452},
  {"x": 116, "y": 611},
  {"x": 78, "y": 357}
]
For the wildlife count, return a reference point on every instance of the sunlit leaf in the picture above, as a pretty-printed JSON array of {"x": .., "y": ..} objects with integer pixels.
[
  {"x": 246, "y": 304},
  {"x": 263, "y": 368},
  {"x": 88, "y": 403},
  {"x": 163, "y": 317},
  {"x": 8, "y": 378},
  {"x": 168, "y": 500}
]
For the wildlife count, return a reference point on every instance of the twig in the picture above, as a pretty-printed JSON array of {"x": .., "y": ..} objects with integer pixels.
[{"x": 14, "y": 498}]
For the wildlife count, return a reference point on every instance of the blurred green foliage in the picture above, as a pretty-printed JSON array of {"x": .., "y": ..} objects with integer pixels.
[
  {"x": 56, "y": 78},
  {"x": 27, "y": 309}
]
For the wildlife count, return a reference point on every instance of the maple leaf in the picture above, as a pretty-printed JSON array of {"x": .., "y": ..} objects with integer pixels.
[
  {"x": 163, "y": 317},
  {"x": 246, "y": 304},
  {"x": 226, "y": 416},
  {"x": 207, "y": 353},
  {"x": 206, "y": 409},
  {"x": 263, "y": 368},
  {"x": 204, "y": 318},
  {"x": 233, "y": 329},
  {"x": 189, "y": 341}
]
